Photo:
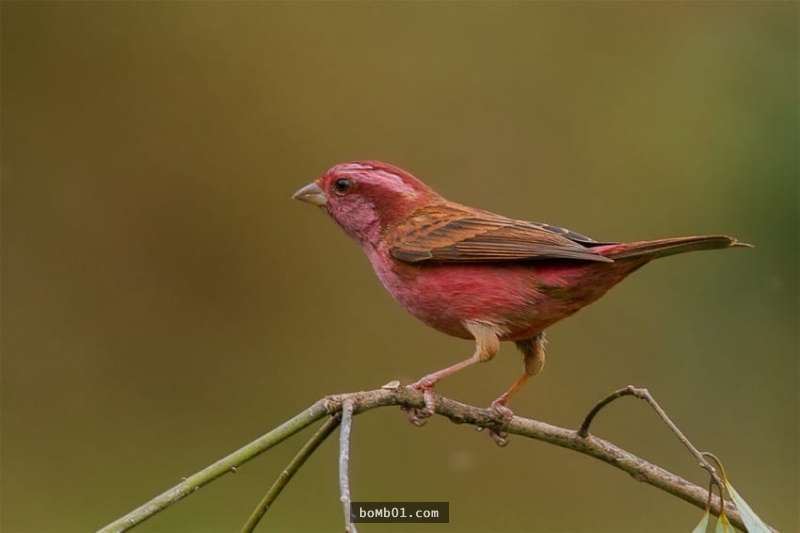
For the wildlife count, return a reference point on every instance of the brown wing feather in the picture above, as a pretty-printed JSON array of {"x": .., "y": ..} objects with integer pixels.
[{"x": 454, "y": 233}]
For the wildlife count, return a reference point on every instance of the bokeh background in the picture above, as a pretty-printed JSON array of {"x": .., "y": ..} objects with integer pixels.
[{"x": 165, "y": 302}]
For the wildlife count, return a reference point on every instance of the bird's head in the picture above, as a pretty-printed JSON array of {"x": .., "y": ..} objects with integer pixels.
[{"x": 364, "y": 197}]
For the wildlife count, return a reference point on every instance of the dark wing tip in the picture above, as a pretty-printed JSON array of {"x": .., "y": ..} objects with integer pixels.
[
  {"x": 591, "y": 257},
  {"x": 568, "y": 233},
  {"x": 731, "y": 242}
]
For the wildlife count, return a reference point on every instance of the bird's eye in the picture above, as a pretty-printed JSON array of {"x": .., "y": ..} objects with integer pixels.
[{"x": 342, "y": 185}]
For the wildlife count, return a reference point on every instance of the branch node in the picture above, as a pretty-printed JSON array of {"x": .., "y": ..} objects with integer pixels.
[
  {"x": 332, "y": 404},
  {"x": 392, "y": 385}
]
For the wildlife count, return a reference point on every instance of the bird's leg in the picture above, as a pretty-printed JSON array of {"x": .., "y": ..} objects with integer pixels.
[
  {"x": 487, "y": 343},
  {"x": 533, "y": 358}
]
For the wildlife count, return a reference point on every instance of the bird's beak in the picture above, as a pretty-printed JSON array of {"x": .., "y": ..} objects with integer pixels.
[{"x": 312, "y": 194}]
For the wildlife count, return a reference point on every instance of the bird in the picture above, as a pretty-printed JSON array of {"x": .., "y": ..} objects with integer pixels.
[{"x": 474, "y": 274}]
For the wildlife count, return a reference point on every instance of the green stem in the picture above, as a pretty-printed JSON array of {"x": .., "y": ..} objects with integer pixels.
[{"x": 291, "y": 469}]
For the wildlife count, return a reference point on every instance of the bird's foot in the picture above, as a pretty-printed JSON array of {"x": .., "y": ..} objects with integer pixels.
[
  {"x": 504, "y": 416},
  {"x": 501, "y": 410},
  {"x": 419, "y": 416}
]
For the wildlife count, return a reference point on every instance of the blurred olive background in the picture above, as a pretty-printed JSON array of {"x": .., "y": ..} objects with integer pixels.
[{"x": 166, "y": 302}]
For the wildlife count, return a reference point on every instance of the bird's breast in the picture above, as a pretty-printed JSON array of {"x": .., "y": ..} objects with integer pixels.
[{"x": 446, "y": 295}]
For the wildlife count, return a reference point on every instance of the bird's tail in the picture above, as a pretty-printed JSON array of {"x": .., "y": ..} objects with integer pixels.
[{"x": 665, "y": 247}]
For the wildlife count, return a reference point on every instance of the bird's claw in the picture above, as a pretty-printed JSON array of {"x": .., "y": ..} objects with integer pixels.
[
  {"x": 419, "y": 416},
  {"x": 499, "y": 437},
  {"x": 501, "y": 411},
  {"x": 504, "y": 416}
]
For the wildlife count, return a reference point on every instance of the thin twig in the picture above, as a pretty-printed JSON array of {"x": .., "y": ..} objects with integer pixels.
[
  {"x": 291, "y": 469},
  {"x": 644, "y": 394},
  {"x": 458, "y": 412},
  {"x": 584, "y": 429},
  {"x": 344, "y": 463}
]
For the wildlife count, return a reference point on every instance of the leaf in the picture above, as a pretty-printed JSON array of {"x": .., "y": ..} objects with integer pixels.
[
  {"x": 751, "y": 520},
  {"x": 723, "y": 526},
  {"x": 703, "y": 525}
]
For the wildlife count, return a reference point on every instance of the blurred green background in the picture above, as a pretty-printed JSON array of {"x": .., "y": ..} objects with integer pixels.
[{"x": 164, "y": 301}]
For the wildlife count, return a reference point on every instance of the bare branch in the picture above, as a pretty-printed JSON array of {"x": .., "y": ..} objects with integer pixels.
[
  {"x": 344, "y": 463},
  {"x": 644, "y": 394},
  {"x": 457, "y": 412},
  {"x": 288, "y": 473}
]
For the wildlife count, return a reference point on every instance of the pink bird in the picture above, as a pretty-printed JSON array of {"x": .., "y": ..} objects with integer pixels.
[{"x": 474, "y": 274}]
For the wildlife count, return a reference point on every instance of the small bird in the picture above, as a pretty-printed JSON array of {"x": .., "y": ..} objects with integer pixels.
[{"x": 474, "y": 274}]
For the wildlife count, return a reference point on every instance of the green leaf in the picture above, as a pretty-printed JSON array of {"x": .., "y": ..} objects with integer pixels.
[
  {"x": 723, "y": 526},
  {"x": 751, "y": 520},
  {"x": 703, "y": 525}
]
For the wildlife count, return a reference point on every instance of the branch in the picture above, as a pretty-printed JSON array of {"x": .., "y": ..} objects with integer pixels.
[
  {"x": 457, "y": 412},
  {"x": 288, "y": 473},
  {"x": 644, "y": 394},
  {"x": 344, "y": 463}
]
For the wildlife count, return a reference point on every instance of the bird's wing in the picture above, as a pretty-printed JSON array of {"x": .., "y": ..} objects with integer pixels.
[{"x": 449, "y": 233}]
